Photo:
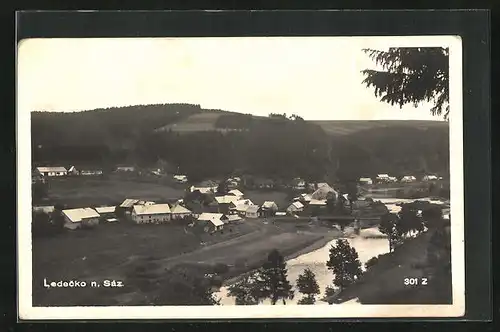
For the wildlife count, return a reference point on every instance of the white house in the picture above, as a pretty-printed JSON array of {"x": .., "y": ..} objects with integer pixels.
[
  {"x": 408, "y": 178},
  {"x": 241, "y": 206},
  {"x": 178, "y": 212},
  {"x": 52, "y": 171},
  {"x": 382, "y": 177},
  {"x": 269, "y": 208},
  {"x": 147, "y": 214},
  {"x": 180, "y": 178},
  {"x": 295, "y": 207},
  {"x": 252, "y": 211},
  {"x": 365, "y": 181},
  {"x": 203, "y": 190},
  {"x": 81, "y": 217},
  {"x": 299, "y": 184},
  {"x": 106, "y": 211}
]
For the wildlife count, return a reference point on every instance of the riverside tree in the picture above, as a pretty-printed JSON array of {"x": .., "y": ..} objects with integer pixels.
[
  {"x": 345, "y": 264},
  {"x": 307, "y": 285},
  {"x": 411, "y": 75},
  {"x": 387, "y": 226}
]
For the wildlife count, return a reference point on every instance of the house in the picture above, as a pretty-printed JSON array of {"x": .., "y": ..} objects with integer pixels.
[
  {"x": 323, "y": 192},
  {"x": 240, "y": 207},
  {"x": 233, "y": 218},
  {"x": 88, "y": 172},
  {"x": 226, "y": 199},
  {"x": 48, "y": 209},
  {"x": 252, "y": 211},
  {"x": 151, "y": 214},
  {"x": 268, "y": 209},
  {"x": 408, "y": 178},
  {"x": 106, "y": 211},
  {"x": 295, "y": 207},
  {"x": 80, "y": 218},
  {"x": 429, "y": 178},
  {"x": 125, "y": 169},
  {"x": 178, "y": 212},
  {"x": 214, "y": 221},
  {"x": 393, "y": 179},
  {"x": 237, "y": 193},
  {"x": 203, "y": 190},
  {"x": 299, "y": 184},
  {"x": 73, "y": 171},
  {"x": 52, "y": 171},
  {"x": 181, "y": 178},
  {"x": 365, "y": 181},
  {"x": 382, "y": 177}
]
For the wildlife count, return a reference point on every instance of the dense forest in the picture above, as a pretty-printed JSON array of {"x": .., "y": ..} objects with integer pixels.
[{"x": 276, "y": 146}]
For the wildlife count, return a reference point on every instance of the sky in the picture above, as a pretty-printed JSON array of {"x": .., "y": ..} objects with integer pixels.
[{"x": 317, "y": 78}]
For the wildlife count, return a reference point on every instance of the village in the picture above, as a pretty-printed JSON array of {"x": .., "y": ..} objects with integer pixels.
[{"x": 213, "y": 205}]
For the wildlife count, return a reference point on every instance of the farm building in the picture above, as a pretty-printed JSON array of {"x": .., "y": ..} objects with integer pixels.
[
  {"x": 80, "y": 218},
  {"x": 52, "y": 171},
  {"x": 178, "y": 212},
  {"x": 429, "y": 178},
  {"x": 214, "y": 221},
  {"x": 237, "y": 193},
  {"x": 252, "y": 211},
  {"x": 408, "y": 178},
  {"x": 151, "y": 214},
  {"x": 181, "y": 178},
  {"x": 365, "y": 181},
  {"x": 323, "y": 192},
  {"x": 268, "y": 209},
  {"x": 107, "y": 212},
  {"x": 295, "y": 207}
]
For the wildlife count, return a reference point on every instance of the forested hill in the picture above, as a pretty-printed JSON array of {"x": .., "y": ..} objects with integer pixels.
[{"x": 205, "y": 143}]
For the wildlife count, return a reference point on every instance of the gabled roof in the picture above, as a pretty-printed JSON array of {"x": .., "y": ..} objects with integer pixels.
[
  {"x": 215, "y": 218},
  {"x": 179, "y": 209},
  {"x": 269, "y": 205},
  {"x": 77, "y": 215},
  {"x": 235, "y": 192},
  {"x": 105, "y": 209},
  {"x": 297, "y": 205},
  {"x": 322, "y": 192},
  {"x": 226, "y": 199},
  {"x": 129, "y": 202},
  {"x": 151, "y": 209},
  {"x": 317, "y": 202},
  {"x": 51, "y": 169},
  {"x": 243, "y": 202},
  {"x": 252, "y": 209}
]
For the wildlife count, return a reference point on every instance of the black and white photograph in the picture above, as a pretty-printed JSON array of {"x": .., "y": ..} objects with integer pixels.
[{"x": 240, "y": 177}]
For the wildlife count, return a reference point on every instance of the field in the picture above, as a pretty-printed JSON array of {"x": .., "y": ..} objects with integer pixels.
[
  {"x": 81, "y": 191},
  {"x": 110, "y": 251},
  {"x": 346, "y": 127},
  {"x": 206, "y": 121}
]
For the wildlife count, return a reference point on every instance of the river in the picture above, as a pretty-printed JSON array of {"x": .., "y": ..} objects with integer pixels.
[{"x": 368, "y": 244}]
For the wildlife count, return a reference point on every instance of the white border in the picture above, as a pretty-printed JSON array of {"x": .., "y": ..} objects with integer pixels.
[{"x": 28, "y": 312}]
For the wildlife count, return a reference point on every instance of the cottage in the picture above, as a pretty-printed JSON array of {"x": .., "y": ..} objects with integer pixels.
[
  {"x": 365, "y": 181},
  {"x": 214, "y": 221},
  {"x": 408, "y": 178},
  {"x": 80, "y": 218},
  {"x": 295, "y": 207},
  {"x": 178, "y": 212},
  {"x": 240, "y": 207},
  {"x": 181, "y": 178},
  {"x": 156, "y": 213},
  {"x": 252, "y": 211},
  {"x": 323, "y": 192},
  {"x": 268, "y": 209},
  {"x": 52, "y": 171}
]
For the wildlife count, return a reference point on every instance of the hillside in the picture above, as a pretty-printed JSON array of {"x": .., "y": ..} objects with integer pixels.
[{"x": 204, "y": 143}]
